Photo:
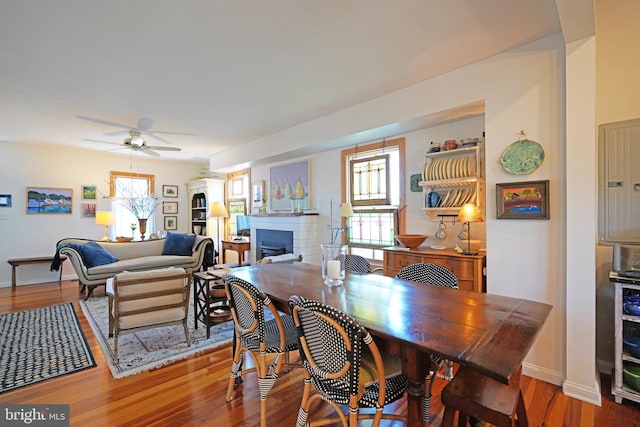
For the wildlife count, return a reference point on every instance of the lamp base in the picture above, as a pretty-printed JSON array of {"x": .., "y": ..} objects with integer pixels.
[{"x": 469, "y": 253}]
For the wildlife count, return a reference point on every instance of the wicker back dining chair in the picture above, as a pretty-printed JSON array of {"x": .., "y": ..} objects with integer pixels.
[
  {"x": 344, "y": 365},
  {"x": 355, "y": 263},
  {"x": 260, "y": 337},
  {"x": 438, "y": 275}
]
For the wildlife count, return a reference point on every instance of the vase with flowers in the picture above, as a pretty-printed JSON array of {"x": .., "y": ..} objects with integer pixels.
[{"x": 139, "y": 204}]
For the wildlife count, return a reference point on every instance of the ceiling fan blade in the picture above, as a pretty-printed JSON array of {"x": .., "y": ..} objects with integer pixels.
[
  {"x": 102, "y": 142},
  {"x": 144, "y": 123},
  {"x": 116, "y": 133},
  {"x": 103, "y": 122},
  {"x": 164, "y": 148},
  {"x": 146, "y": 150},
  {"x": 166, "y": 132}
]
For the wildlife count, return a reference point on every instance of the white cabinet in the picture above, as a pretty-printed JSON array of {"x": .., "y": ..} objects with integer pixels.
[
  {"x": 202, "y": 193},
  {"x": 457, "y": 176},
  {"x": 625, "y": 326}
]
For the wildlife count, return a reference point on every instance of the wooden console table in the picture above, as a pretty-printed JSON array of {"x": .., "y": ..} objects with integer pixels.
[
  {"x": 469, "y": 269},
  {"x": 239, "y": 246},
  {"x": 15, "y": 262}
]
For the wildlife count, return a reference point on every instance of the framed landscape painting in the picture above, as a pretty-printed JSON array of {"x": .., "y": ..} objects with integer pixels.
[
  {"x": 88, "y": 210},
  {"x": 44, "y": 200},
  {"x": 89, "y": 192},
  {"x": 523, "y": 200}
]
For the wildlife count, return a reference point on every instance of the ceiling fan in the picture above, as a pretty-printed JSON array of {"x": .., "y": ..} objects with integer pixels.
[{"x": 135, "y": 141}]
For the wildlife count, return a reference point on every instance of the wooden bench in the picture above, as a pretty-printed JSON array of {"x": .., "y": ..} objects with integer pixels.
[
  {"x": 15, "y": 262},
  {"x": 475, "y": 395}
]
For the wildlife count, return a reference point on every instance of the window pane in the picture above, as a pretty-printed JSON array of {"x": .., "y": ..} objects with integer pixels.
[
  {"x": 375, "y": 228},
  {"x": 125, "y": 220}
]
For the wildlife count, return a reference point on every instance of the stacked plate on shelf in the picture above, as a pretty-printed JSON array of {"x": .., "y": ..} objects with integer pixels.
[
  {"x": 458, "y": 197},
  {"x": 450, "y": 168}
]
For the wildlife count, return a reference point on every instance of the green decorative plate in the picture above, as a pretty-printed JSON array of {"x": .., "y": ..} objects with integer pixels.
[{"x": 522, "y": 157}]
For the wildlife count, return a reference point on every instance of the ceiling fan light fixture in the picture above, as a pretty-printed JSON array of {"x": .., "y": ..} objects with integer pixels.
[{"x": 136, "y": 140}]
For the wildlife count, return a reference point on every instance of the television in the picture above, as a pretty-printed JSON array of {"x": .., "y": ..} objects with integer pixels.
[{"x": 243, "y": 225}]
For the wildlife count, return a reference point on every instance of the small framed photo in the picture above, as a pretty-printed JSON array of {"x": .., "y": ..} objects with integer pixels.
[
  {"x": 170, "y": 222},
  {"x": 258, "y": 197},
  {"x": 523, "y": 200},
  {"x": 169, "y": 207},
  {"x": 88, "y": 192},
  {"x": 5, "y": 200},
  {"x": 170, "y": 191},
  {"x": 88, "y": 210}
]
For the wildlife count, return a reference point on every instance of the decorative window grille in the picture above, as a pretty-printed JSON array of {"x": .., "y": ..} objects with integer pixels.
[
  {"x": 374, "y": 191},
  {"x": 369, "y": 181}
]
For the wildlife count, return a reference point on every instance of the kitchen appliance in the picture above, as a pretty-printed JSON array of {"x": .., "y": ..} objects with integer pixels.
[{"x": 626, "y": 260}]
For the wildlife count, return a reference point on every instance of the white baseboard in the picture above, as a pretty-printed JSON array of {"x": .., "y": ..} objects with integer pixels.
[{"x": 577, "y": 391}]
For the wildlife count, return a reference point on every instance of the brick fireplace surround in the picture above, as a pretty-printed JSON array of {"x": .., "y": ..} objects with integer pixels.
[{"x": 306, "y": 241}]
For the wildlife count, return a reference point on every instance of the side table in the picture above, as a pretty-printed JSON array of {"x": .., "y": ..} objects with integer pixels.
[{"x": 209, "y": 299}]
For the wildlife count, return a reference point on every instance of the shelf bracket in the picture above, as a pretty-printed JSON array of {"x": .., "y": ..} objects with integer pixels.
[{"x": 451, "y": 217}]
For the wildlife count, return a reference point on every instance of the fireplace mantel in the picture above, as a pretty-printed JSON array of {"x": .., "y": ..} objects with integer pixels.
[{"x": 305, "y": 233}]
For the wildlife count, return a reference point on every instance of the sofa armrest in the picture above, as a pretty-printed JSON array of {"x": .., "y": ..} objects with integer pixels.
[{"x": 203, "y": 251}]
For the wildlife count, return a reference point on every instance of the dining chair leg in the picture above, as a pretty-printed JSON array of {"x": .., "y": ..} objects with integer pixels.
[{"x": 236, "y": 370}]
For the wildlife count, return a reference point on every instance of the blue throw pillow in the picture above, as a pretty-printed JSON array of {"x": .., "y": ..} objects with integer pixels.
[
  {"x": 94, "y": 255},
  {"x": 178, "y": 244}
]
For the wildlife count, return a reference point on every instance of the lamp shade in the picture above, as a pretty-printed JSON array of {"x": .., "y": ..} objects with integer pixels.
[
  {"x": 469, "y": 213},
  {"x": 346, "y": 210},
  {"x": 105, "y": 217},
  {"x": 218, "y": 210}
]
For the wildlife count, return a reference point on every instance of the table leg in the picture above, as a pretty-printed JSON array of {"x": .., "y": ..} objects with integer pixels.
[
  {"x": 414, "y": 365},
  {"x": 196, "y": 285},
  {"x": 13, "y": 276}
]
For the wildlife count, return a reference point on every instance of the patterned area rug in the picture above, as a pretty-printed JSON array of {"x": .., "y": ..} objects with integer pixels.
[
  {"x": 151, "y": 348},
  {"x": 40, "y": 344}
]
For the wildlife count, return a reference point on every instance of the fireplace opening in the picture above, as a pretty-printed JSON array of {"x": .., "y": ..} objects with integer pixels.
[{"x": 273, "y": 243}]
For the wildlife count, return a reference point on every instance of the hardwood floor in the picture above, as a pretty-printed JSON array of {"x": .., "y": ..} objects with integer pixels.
[{"x": 192, "y": 392}]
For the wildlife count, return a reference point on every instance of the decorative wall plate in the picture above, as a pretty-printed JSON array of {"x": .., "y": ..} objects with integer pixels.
[{"x": 522, "y": 157}]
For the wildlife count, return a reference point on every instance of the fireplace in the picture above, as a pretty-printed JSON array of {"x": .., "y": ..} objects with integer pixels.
[
  {"x": 273, "y": 242},
  {"x": 303, "y": 230}
]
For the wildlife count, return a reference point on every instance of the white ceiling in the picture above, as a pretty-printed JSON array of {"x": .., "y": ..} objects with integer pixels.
[{"x": 219, "y": 73}]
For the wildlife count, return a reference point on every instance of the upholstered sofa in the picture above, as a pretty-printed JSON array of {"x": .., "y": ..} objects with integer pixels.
[{"x": 96, "y": 261}]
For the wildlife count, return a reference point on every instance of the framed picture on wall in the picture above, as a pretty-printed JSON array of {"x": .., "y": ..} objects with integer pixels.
[
  {"x": 169, "y": 207},
  {"x": 290, "y": 188},
  {"x": 170, "y": 222},
  {"x": 257, "y": 194},
  {"x": 170, "y": 191},
  {"x": 88, "y": 192},
  {"x": 5, "y": 200},
  {"x": 44, "y": 200},
  {"x": 88, "y": 210},
  {"x": 523, "y": 200}
]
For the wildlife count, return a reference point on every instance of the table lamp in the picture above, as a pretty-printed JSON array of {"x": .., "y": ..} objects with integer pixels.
[
  {"x": 346, "y": 211},
  {"x": 469, "y": 213},
  {"x": 218, "y": 211},
  {"x": 105, "y": 218}
]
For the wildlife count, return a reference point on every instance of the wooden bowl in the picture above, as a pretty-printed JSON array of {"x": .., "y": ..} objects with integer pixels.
[
  {"x": 124, "y": 239},
  {"x": 411, "y": 241}
]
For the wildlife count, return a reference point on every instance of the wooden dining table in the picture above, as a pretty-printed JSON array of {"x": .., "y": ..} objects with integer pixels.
[{"x": 489, "y": 333}]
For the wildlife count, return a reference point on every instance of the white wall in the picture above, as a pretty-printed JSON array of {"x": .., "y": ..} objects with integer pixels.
[
  {"x": 617, "y": 99},
  {"x": 523, "y": 89},
  {"x": 63, "y": 167}
]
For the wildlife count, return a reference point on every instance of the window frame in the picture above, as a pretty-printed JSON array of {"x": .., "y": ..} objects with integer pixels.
[{"x": 398, "y": 143}]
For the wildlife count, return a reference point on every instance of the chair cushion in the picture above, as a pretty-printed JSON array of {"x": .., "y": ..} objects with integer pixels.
[
  {"x": 93, "y": 254},
  {"x": 178, "y": 244}
]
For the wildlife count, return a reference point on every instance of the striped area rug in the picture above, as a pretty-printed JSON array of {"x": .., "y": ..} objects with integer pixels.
[{"x": 41, "y": 344}]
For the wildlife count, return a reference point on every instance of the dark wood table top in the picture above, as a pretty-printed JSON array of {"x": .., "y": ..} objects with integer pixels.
[{"x": 489, "y": 333}]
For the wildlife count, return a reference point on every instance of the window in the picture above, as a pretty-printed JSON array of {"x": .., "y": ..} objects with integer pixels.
[
  {"x": 137, "y": 190},
  {"x": 373, "y": 183},
  {"x": 238, "y": 193}
]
